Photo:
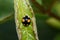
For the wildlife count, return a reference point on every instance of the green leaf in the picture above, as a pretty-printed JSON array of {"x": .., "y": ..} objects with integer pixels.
[
  {"x": 39, "y": 1},
  {"x": 54, "y": 23}
]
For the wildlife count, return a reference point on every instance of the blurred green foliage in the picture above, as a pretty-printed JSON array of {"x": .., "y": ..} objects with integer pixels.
[
  {"x": 48, "y": 26},
  {"x": 6, "y": 9},
  {"x": 56, "y": 8}
]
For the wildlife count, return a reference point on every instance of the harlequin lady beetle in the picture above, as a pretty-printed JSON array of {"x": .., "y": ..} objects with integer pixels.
[{"x": 26, "y": 21}]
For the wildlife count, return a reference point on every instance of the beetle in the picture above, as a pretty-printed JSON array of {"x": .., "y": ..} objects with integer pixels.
[{"x": 26, "y": 21}]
